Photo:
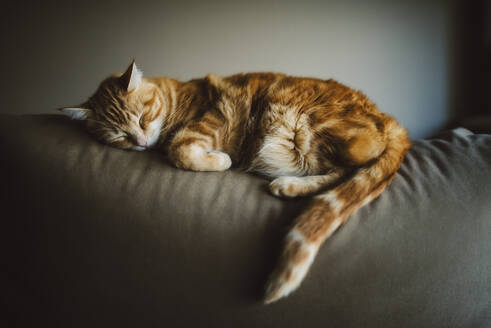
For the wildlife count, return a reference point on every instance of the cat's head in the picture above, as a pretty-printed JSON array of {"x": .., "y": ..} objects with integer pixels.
[{"x": 126, "y": 111}]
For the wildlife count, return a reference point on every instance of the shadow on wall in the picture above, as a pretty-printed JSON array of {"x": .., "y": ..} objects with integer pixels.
[
  {"x": 470, "y": 61},
  {"x": 406, "y": 55}
]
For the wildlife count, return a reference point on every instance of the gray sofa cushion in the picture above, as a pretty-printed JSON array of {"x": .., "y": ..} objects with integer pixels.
[{"x": 98, "y": 237}]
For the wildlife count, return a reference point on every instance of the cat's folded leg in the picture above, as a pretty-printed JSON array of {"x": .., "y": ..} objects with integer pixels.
[
  {"x": 290, "y": 186},
  {"x": 197, "y": 146},
  {"x": 196, "y": 158}
]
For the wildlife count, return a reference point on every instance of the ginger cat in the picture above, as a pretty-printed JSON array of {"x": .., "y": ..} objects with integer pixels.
[{"x": 316, "y": 137}]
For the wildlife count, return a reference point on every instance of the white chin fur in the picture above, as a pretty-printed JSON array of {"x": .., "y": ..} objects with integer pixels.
[{"x": 139, "y": 148}]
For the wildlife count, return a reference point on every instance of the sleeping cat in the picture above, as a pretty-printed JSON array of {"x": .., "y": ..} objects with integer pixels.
[{"x": 315, "y": 137}]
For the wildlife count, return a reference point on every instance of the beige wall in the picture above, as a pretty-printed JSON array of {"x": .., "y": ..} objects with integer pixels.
[{"x": 397, "y": 52}]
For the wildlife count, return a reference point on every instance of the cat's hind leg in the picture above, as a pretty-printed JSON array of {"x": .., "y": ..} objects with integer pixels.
[{"x": 292, "y": 186}]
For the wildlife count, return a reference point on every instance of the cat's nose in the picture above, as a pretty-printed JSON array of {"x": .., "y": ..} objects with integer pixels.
[{"x": 140, "y": 140}]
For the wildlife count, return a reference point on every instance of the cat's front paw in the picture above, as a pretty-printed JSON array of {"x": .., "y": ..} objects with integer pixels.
[
  {"x": 287, "y": 187},
  {"x": 195, "y": 158},
  {"x": 221, "y": 161}
]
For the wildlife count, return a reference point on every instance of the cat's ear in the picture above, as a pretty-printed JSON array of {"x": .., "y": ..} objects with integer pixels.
[
  {"x": 131, "y": 79},
  {"x": 76, "y": 113}
]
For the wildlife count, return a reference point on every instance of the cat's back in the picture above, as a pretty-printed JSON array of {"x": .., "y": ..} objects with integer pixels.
[
  {"x": 258, "y": 90},
  {"x": 286, "y": 88}
]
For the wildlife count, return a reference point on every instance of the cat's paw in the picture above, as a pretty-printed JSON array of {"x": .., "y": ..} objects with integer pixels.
[
  {"x": 195, "y": 158},
  {"x": 220, "y": 161},
  {"x": 287, "y": 187}
]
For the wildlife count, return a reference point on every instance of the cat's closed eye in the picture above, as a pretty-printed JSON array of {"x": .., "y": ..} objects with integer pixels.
[{"x": 120, "y": 138}]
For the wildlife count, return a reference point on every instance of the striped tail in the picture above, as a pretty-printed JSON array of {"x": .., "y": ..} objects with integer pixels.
[{"x": 330, "y": 210}]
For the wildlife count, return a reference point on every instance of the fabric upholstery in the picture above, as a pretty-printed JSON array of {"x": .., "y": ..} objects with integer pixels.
[{"x": 98, "y": 237}]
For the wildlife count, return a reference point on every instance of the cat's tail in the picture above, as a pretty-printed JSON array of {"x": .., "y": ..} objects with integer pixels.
[{"x": 331, "y": 209}]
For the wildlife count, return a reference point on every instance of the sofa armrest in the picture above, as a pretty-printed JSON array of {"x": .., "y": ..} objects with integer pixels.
[{"x": 97, "y": 236}]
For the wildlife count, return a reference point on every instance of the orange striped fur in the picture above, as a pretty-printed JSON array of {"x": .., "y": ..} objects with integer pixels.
[{"x": 315, "y": 137}]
